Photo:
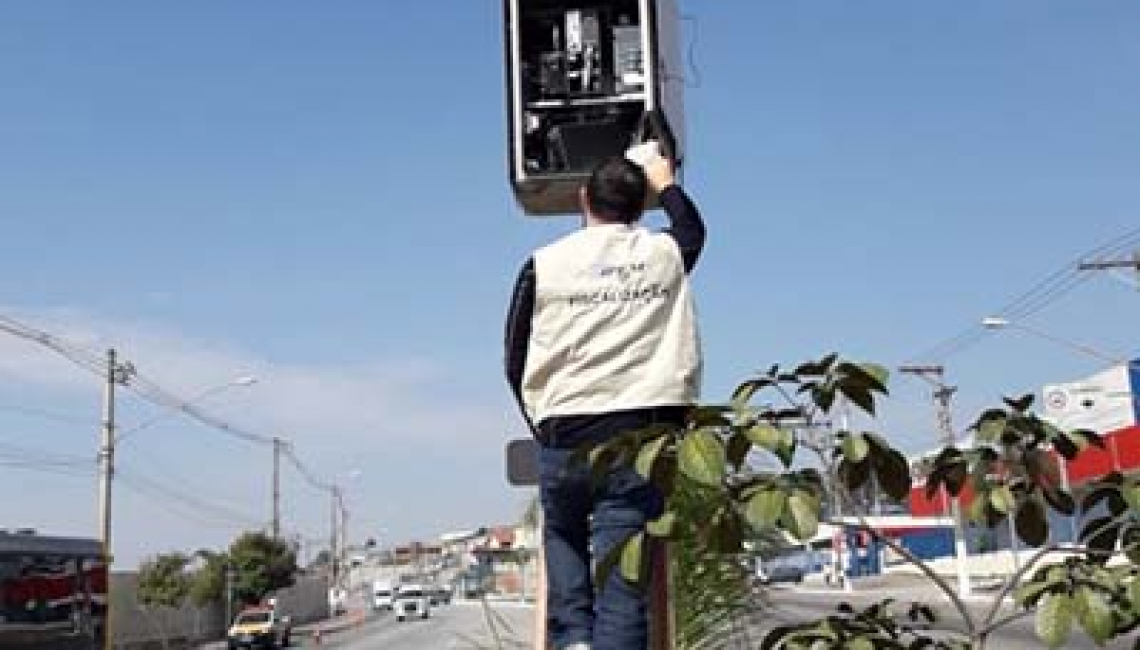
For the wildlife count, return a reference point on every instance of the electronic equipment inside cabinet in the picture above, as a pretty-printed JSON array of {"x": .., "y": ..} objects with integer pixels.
[{"x": 587, "y": 79}]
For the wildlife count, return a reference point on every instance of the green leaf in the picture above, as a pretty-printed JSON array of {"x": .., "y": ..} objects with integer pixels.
[
  {"x": 991, "y": 425},
  {"x": 766, "y": 436},
  {"x": 786, "y": 451},
  {"x": 1027, "y": 594},
  {"x": 647, "y": 457},
  {"x": 744, "y": 392},
  {"x": 765, "y": 507},
  {"x": 710, "y": 416},
  {"x": 1002, "y": 499},
  {"x": 1021, "y": 404},
  {"x": 824, "y": 397},
  {"x": 662, "y": 526},
  {"x": 1131, "y": 492},
  {"x": 879, "y": 373},
  {"x": 977, "y": 510},
  {"x": 702, "y": 458},
  {"x": 859, "y": 396},
  {"x": 1031, "y": 523},
  {"x": 801, "y": 515},
  {"x": 1060, "y": 500},
  {"x": 893, "y": 472},
  {"x": 859, "y": 643},
  {"x": 1134, "y": 595},
  {"x": 855, "y": 447},
  {"x": 631, "y": 561},
  {"x": 1095, "y": 614},
  {"x": 1055, "y": 619},
  {"x": 738, "y": 449}
]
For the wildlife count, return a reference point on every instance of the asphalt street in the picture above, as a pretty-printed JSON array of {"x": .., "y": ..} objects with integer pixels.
[{"x": 463, "y": 625}]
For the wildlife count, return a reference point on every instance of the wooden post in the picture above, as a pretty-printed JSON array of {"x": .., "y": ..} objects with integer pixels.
[
  {"x": 540, "y": 635},
  {"x": 661, "y": 623}
]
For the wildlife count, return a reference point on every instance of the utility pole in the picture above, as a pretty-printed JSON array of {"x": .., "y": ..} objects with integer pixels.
[
  {"x": 117, "y": 375},
  {"x": 943, "y": 394},
  {"x": 335, "y": 493},
  {"x": 276, "y": 527}
]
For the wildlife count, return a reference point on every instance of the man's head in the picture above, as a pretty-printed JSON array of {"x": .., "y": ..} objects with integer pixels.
[{"x": 615, "y": 192}]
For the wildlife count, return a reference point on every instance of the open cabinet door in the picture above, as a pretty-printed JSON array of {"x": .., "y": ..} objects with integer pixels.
[{"x": 583, "y": 79}]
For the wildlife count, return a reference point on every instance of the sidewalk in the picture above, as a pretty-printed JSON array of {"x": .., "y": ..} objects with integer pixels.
[{"x": 312, "y": 633}]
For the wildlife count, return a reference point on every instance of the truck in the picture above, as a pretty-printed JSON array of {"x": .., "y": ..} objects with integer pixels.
[{"x": 383, "y": 595}]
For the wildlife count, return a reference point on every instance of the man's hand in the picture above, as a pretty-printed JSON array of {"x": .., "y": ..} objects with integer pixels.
[{"x": 659, "y": 171}]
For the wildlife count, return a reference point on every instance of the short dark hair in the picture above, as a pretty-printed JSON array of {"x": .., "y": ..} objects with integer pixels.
[{"x": 616, "y": 190}]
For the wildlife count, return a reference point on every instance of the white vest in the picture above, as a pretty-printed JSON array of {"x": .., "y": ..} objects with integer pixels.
[{"x": 613, "y": 326}]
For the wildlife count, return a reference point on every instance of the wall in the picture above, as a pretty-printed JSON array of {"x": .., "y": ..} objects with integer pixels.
[{"x": 133, "y": 628}]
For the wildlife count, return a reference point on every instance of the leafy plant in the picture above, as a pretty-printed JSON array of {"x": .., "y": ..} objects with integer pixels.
[{"x": 722, "y": 460}]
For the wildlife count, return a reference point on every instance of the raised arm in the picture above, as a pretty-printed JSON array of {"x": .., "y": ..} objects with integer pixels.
[
  {"x": 517, "y": 334},
  {"x": 685, "y": 224}
]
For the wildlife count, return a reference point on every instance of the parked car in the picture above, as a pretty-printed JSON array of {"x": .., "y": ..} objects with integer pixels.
[
  {"x": 259, "y": 627},
  {"x": 777, "y": 573},
  {"x": 412, "y": 601}
]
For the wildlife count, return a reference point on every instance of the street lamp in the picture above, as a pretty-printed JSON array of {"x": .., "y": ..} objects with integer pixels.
[
  {"x": 239, "y": 382},
  {"x": 999, "y": 323}
]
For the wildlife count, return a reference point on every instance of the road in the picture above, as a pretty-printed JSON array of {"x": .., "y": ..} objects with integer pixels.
[
  {"x": 463, "y": 625},
  {"x": 468, "y": 626}
]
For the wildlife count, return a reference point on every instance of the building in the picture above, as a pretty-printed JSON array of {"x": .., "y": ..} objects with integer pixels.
[
  {"x": 53, "y": 592},
  {"x": 1104, "y": 403}
]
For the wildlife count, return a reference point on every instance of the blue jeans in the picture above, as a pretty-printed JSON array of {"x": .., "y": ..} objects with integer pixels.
[{"x": 583, "y": 521}]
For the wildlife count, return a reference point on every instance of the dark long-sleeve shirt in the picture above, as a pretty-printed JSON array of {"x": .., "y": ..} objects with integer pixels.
[{"x": 685, "y": 227}]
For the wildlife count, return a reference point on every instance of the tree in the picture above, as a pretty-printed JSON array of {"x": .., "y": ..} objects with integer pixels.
[
  {"x": 262, "y": 565},
  {"x": 716, "y": 458},
  {"x": 163, "y": 583},
  {"x": 208, "y": 583}
]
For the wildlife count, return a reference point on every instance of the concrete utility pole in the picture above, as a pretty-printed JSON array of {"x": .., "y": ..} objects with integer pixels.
[
  {"x": 335, "y": 493},
  {"x": 943, "y": 394},
  {"x": 117, "y": 375}
]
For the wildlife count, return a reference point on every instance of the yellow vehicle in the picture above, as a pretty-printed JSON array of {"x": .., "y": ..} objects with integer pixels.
[{"x": 259, "y": 627}]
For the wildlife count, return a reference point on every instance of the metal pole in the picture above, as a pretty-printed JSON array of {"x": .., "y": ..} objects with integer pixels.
[{"x": 943, "y": 396}]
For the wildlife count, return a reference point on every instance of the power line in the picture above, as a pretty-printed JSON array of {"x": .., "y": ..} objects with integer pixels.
[
  {"x": 154, "y": 488},
  {"x": 309, "y": 477},
  {"x": 1041, "y": 295},
  {"x": 186, "y": 512},
  {"x": 48, "y": 415},
  {"x": 156, "y": 394},
  {"x": 83, "y": 358}
]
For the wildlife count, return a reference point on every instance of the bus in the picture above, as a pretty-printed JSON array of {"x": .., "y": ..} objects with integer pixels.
[{"x": 53, "y": 592}]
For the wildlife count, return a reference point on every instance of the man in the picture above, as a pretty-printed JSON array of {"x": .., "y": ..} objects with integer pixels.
[{"x": 601, "y": 339}]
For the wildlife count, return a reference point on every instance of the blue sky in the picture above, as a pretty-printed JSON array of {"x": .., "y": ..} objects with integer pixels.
[{"x": 316, "y": 193}]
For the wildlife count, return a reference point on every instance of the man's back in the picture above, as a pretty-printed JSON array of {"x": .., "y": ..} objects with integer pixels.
[{"x": 613, "y": 326}]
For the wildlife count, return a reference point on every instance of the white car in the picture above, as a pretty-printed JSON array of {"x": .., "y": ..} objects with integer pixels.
[{"x": 412, "y": 601}]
